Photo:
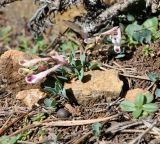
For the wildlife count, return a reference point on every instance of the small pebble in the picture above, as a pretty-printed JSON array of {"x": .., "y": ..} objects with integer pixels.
[{"x": 63, "y": 113}]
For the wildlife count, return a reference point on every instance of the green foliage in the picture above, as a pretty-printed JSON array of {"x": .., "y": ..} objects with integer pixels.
[
  {"x": 121, "y": 54},
  {"x": 5, "y": 33},
  {"x": 50, "y": 103},
  {"x": 127, "y": 106},
  {"x": 147, "y": 51},
  {"x": 25, "y": 134},
  {"x": 77, "y": 66},
  {"x": 27, "y": 45},
  {"x": 157, "y": 92},
  {"x": 96, "y": 128},
  {"x": 38, "y": 117},
  {"x": 131, "y": 29},
  {"x": 24, "y": 44},
  {"x": 142, "y": 33},
  {"x": 68, "y": 45},
  {"x": 130, "y": 18},
  {"x": 40, "y": 46},
  {"x": 152, "y": 25},
  {"x": 141, "y": 106},
  {"x": 155, "y": 78},
  {"x": 58, "y": 89},
  {"x": 94, "y": 65},
  {"x": 9, "y": 140}
]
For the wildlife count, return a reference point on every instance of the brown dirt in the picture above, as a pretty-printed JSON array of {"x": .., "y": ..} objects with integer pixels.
[
  {"x": 11, "y": 83},
  {"x": 142, "y": 64},
  {"x": 16, "y": 13},
  {"x": 149, "y": 63},
  {"x": 10, "y": 79}
]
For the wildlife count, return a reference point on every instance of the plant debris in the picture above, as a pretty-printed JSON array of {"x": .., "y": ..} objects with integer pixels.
[{"x": 80, "y": 71}]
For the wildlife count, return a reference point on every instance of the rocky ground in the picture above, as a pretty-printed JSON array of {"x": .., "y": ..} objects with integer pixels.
[{"x": 91, "y": 114}]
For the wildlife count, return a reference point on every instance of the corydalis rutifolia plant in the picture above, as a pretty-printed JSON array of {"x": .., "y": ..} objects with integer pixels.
[
  {"x": 40, "y": 65},
  {"x": 142, "y": 106},
  {"x": 115, "y": 36}
]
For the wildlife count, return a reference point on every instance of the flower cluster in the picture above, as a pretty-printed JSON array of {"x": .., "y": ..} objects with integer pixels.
[
  {"x": 115, "y": 35},
  {"x": 32, "y": 78}
]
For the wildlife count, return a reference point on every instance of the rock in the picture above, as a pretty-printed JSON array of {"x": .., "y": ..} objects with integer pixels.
[
  {"x": 9, "y": 65},
  {"x": 131, "y": 94},
  {"x": 96, "y": 84},
  {"x": 63, "y": 113},
  {"x": 30, "y": 97}
]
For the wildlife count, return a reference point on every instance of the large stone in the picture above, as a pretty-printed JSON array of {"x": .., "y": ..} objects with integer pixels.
[{"x": 96, "y": 84}]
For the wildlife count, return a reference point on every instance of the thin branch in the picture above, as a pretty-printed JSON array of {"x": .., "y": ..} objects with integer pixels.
[
  {"x": 79, "y": 122},
  {"x": 5, "y": 2},
  {"x": 145, "y": 132}
]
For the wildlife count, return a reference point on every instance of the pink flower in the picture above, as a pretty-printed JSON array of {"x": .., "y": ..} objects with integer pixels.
[
  {"x": 116, "y": 40},
  {"x": 32, "y": 79},
  {"x": 59, "y": 59},
  {"x": 117, "y": 49},
  {"x": 111, "y": 31},
  {"x": 29, "y": 63}
]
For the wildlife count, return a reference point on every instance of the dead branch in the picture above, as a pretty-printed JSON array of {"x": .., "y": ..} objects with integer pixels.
[
  {"x": 5, "y": 2},
  {"x": 109, "y": 14}
]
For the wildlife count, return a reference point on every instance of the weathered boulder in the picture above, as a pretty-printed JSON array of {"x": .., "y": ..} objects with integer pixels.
[{"x": 96, "y": 84}]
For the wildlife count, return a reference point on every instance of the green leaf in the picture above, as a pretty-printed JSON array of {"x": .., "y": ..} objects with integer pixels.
[
  {"x": 151, "y": 24},
  {"x": 151, "y": 107},
  {"x": 142, "y": 36},
  {"x": 149, "y": 97},
  {"x": 145, "y": 114},
  {"x": 9, "y": 140},
  {"x": 83, "y": 58},
  {"x": 137, "y": 113},
  {"x": 63, "y": 93},
  {"x": 34, "y": 67},
  {"x": 50, "y": 90},
  {"x": 157, "y": 35},
  {"x": 48, "y": 102},
  {"x": 130, "y": 17},
  {"x": 157, "y": 92},
  {"x": 81, "y": 74},
  {"x": 38, "y": 117},
  {"x": 131, "y": 29},
  {"x": 68, "y": 45},
  {"x": 153, "y": 76},
  {"x": 121, "y": 55},
  {"x": 96, "y": 128},
  {"x": 71, "y": 57},
  {"x": 139, "y": 101},
  {"x": 127, "y": 106},
  {"x": 94, "y": 65},
  {"x": 4, "y": 31}
]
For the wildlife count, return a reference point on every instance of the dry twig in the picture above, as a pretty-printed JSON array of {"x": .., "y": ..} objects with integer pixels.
[
  {"x": 145, "y": 132},
  {"x": 4, "y": 2},
  {"x": 79, "y": 122}
]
